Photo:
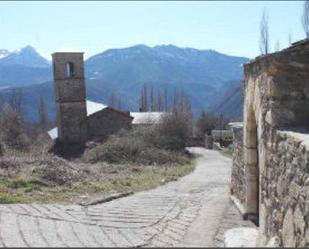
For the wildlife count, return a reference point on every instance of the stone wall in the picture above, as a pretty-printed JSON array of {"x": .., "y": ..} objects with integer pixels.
[
  {"x": 69, "y": 122},
  {"x": 277, "y": 88},
  {"x": 284, "y": 197},
  {"x": 276, "y": 167},
  {"x": 238, "y": 185},
  {"x": 108, "y": 121}
]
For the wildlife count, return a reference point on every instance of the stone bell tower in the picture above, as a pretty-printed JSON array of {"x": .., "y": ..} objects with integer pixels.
[{"x": 70, "y": 93}]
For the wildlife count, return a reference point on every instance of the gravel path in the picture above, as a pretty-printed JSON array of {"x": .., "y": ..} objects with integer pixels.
[{"x": 187, "y": 212}]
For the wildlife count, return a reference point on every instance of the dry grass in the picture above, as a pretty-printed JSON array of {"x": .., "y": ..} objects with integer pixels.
[
  {"x": 44, "y": 178},
  {"x": 23, "y": 190},
  {"x": 128, "y": 161}
]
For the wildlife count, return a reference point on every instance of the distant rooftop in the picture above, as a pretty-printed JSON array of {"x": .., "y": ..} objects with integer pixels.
[
  {"x": 139, "y": 118},
  {"x": 147, "y": 117}
]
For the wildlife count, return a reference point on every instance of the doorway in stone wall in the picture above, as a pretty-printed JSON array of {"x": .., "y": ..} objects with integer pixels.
[{"x": 252, "y": 168}]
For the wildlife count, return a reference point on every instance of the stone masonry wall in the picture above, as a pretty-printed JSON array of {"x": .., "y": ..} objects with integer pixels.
[
  {"x": 70, "y": 94},
  {"x": 276, "y": 163},
  {"x": 285, "y": 189},
  {"x": 238, "y": 185},
  {"x": 108, "y": 121}
]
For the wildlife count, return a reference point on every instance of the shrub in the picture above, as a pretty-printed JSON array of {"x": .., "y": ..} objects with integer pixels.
[
  {"x": 11, "y": 125},
  {"x": 9, "y": 166},
  {"x": 132, "y": 146},
  {"x": 173, "y": 133},
  {"x": 10, "y": 162},
  {"x": 56, "y": 170},
  {"x": 41, "y": 144},
  {"x": 158, "y": 144}
]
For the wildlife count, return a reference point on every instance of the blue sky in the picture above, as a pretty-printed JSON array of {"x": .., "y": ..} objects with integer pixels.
[{"x": 230, "y": 27}]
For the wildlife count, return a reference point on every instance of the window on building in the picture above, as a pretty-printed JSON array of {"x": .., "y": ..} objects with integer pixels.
[{"x": 70, "y": 69}]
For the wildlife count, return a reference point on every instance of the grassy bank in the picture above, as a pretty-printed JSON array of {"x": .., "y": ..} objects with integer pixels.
[
  {"x": 21, "y": 190},
  {"x": 127, "y": 161}
]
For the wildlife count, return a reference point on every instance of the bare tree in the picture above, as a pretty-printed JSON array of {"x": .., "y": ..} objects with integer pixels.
[
  {"x": 277, "y": 46},
  {"x": 11, "y": 128},
  {"x": 144, "y": 99},
  {"x": 141, "y": 101},
  {"x": 175, "y": 101},
  {"x": 264, "y": 34},
  {"x": 206, "y": 123},
  {"x": 159, "y": 101},
  {"x": 15, "y": 100},
  {"x": 305, "y": 18},
  {"x": 181, "y": 102},
  {"x": 112, "y": 100},
  {"x": 119, "y": 104},
  {"x": 290, "y": 39},
  {"x": 165, "y": 100},
  {"x": 42, "y": 114},
  {"x": 152, "y": 100},
  {"x": 115, "y": 101}
]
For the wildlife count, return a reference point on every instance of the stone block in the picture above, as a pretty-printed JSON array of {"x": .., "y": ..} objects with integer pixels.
[
  {"x": 250, "y": 156},
  {"x": 273, "y": 242},
  {"x": 70, "y": 90},
  {"x": 294, "y": 190},
  {"x": 299, "y": 221},
  {"x": 288, "y": 236},
  {"x": 282, "y": 117}
]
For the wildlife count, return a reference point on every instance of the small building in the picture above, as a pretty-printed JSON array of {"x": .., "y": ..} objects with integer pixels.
[{"x": 101, "y": 121}]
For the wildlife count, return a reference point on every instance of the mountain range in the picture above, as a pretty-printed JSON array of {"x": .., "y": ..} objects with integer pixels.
[
  {"x": 23, "y": 67},
  {"x": 211, "y": 79}
]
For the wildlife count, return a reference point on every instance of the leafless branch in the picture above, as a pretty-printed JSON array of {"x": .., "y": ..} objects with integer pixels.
[
  {"x": 264, "y": 34},
  {"x": 305, "y": 18}
]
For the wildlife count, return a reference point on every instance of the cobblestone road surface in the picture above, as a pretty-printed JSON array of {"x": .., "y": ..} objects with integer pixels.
[{"x": 187, "y": 212}]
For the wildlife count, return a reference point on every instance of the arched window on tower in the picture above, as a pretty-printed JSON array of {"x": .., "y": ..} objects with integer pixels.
[{"x": 70, "y": 69}]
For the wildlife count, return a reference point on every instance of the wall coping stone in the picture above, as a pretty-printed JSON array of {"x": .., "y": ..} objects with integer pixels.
[{"x": 299, "y": 136}]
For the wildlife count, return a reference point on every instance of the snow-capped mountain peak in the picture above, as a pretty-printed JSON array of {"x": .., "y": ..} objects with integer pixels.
[
  {"x": 4, "y": 53},
  {"x": 26, "y": 56}
]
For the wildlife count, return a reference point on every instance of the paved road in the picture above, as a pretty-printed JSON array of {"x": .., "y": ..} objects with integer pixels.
[{"x": 187, "y": 212}]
